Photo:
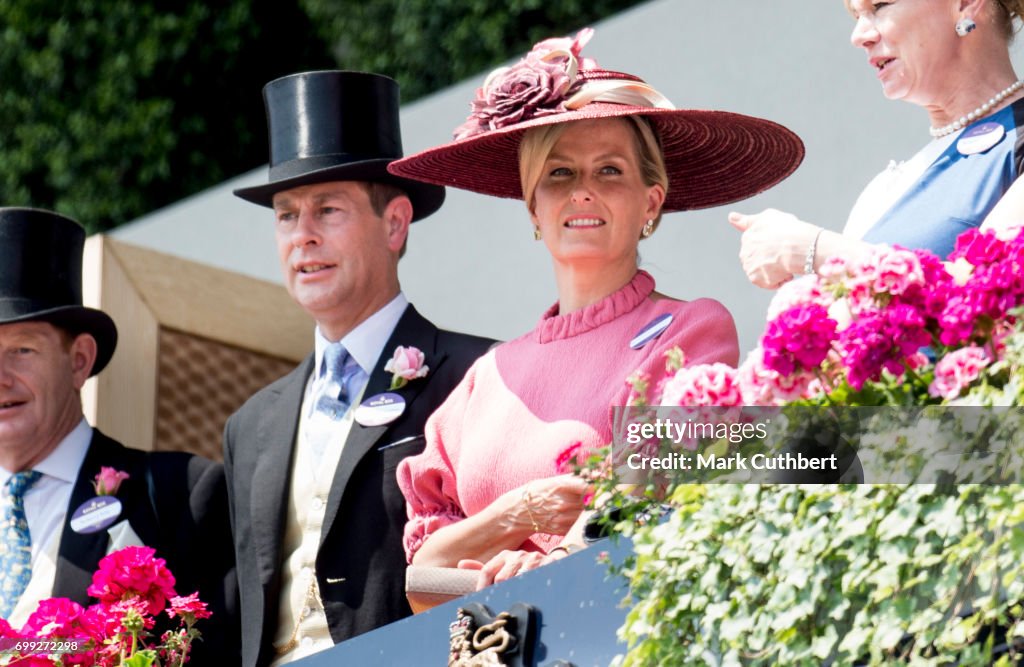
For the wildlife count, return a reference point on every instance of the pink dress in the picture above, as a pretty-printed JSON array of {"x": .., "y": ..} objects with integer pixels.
[{"x": 526, "y": 401}]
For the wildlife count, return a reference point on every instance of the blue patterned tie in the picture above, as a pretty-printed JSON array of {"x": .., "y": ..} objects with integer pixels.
[
  {"x": 331, "y": 398},
  {"x": 16, "y": 548},
  {"x": 334, "y": 397}
]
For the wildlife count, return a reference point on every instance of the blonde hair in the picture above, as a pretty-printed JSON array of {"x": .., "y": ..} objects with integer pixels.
[{"x": 538, "y": 142}]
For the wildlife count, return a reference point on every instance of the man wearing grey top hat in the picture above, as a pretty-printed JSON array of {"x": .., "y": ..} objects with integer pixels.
[
  {"x": 317, "y": 513},
  {"x": 50, "y": 456}
]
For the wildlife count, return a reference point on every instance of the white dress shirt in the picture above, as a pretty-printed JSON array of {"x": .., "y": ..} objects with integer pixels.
[{"x": 46, "y": 503}]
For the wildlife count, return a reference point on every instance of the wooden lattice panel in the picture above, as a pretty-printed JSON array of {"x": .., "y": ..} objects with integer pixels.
[{"x": 200, "y": 383}]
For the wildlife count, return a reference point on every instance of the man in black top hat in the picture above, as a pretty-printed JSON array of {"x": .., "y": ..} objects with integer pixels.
[
  {"x": 318, "y": 515},
  {"x": 50, "y": 456}
]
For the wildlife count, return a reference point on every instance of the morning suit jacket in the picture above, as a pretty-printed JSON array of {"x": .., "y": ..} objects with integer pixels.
[
  {"x": 360, "y": 565},
  {"x": 177, "y": 504}
]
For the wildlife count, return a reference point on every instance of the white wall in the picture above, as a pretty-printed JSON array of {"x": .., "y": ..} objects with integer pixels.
[{"x": 474, "y": 265}]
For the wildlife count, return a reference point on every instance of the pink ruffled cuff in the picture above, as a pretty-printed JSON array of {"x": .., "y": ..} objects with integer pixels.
[{"x": 422, "y": 526}]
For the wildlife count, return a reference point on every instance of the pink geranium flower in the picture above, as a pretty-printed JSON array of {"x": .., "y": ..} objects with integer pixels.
[
  {"x": 957, "y": 370},
  {"x": 890, "y": 271},
  {"x": 567, "y": 457},
  {"x": 805, "y": 290},
  {"x": 132, "y": 585},
  {"x": 798, "y": 339},
  {"x": 54, "y": 617},
  {"x": 979, "y": 248},
  {"x": 760, "y": 385},
  {"x": 188, "y": 607},
  {"x": 60, "y": 618},
  {"x": 703, "y": 385},
  {"x": 133, "y": 572}
]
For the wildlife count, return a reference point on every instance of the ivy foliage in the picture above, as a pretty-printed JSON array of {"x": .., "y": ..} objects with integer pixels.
[
  {"x": 113, "y": 108},
  {"x": 428, "y": 44},
  {"x": 826, "y": 574}
]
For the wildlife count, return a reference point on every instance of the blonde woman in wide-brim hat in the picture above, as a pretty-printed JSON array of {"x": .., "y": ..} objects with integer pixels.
[{"x": 597, "y": 156}]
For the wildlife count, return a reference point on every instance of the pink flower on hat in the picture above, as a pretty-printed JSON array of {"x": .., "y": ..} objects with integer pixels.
[
  {"x": 542, "y": 50},
  {"x": 407, "y": 363},
  {"x": 108, "y": 481},
  {"x": 535, "y": 86}
]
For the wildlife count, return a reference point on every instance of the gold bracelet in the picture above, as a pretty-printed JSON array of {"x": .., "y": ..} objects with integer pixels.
[
  {"x": 529, "y": 512},
  {"x": 569, "y": 549}
]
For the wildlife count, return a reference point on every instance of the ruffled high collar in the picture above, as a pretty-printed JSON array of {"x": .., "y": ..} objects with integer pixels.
[{"x": 553, "y": 326}]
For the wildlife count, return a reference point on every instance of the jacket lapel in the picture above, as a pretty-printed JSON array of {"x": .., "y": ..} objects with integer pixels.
[
  {"x": 275, "y": 443},
  {"x": 412, "y": 330},
  {"x": 80, "y": 553}
]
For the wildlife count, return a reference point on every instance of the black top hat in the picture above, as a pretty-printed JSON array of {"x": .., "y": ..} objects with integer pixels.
[
  {"x": 41, "y": 277},
  {"x": 336, "y": 126}
]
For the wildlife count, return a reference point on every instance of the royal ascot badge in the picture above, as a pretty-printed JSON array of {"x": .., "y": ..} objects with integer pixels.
[
  {"x": 654, "y": 328},
  {"x": 407, "y": 363},
  {"x": 980, "y": 138},
  {"x": 380, "y": 409},
  {"x": 102, "y": 510},
  {"x": 95, "y": 514}
]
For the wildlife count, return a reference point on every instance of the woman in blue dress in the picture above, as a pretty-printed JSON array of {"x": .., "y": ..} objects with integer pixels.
[{"x": 952, "y": 58}]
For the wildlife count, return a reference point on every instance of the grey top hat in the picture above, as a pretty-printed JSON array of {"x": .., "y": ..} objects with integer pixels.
[
  {"x": 336, "y": 126},
  {"x": 41, "y": 277}
]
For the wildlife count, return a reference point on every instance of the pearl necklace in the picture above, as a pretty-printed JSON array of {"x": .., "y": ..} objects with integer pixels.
[{"x": 980, "y": 112}]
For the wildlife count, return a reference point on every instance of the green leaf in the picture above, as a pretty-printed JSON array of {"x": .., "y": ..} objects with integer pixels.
[{"x": 144, "y": 658}]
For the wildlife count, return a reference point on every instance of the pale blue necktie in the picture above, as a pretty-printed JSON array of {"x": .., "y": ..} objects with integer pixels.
[
  {"x": 338, "y": 371},
  {"x": 16, "y": 548},
  {"x": 332, "y": 397}
]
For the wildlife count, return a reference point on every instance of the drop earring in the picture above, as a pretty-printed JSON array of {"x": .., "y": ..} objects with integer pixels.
[
  {"x": 536, "y": 233},
  {"x": 964, "y": 26},
  {"x": 648, "y": 229}
]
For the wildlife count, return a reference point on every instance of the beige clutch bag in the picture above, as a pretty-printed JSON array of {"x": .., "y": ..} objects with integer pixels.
[{"x": 427, "y": 587}]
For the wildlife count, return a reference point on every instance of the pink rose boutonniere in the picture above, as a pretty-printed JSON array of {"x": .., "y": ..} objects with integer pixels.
[
  {"x": 404, "y": 365},
  {"x": 108, "y": 481}
]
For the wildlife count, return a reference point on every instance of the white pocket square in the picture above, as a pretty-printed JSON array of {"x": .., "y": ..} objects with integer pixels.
[{"x": 121, "y": 536}]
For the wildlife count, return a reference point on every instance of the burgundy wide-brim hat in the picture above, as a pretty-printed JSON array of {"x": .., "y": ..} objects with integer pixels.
[
  {"x": 41, "y": 277},
  {"x": 712, "y": 157},
  {"x": 335, "y": 126}
]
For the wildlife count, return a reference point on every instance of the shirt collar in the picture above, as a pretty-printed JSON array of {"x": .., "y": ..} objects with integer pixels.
[
  {"x": 366, "y": 342},
  {"x": 66, "y": 459}
]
